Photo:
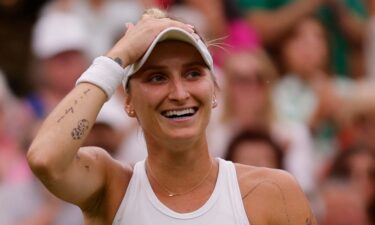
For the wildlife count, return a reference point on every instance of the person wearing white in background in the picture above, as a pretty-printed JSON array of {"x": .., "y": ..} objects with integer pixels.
[{"x": 170, "y": 90}]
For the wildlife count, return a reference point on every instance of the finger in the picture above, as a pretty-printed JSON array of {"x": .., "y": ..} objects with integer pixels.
[
  {"x": 173, "y": 23},
  {"x": 128, "y": 26}
]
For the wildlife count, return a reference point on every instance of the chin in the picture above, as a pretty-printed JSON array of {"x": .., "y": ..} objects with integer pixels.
[{"x": 183, "y": 134}]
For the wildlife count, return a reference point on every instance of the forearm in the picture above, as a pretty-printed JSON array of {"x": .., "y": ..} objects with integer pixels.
[
  {"x": 352, "y": 25},
  {"x": 271, "y": 25},
  {"x": 64, "y": 130}
]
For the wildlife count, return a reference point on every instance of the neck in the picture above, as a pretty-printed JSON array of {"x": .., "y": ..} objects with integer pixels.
[
  {"x": 178, "y": 168},
  {"x": 176, "y": 151}
]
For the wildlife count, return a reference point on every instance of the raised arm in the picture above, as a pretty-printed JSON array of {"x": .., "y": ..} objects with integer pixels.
[
  {"x": 54, "y": 156},
  {"x": 81, "y": 175},
  {"x": 273, "y": 24}
]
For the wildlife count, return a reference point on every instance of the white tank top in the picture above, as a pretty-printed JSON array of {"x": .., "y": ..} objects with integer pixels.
[{"x": 140, "y": 205}]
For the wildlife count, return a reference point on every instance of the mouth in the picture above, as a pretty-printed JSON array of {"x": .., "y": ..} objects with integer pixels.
[{"x": 180, "y": 113}]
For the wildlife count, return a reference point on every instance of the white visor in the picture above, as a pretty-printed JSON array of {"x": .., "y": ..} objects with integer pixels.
[{"x": 172, "y": 33}]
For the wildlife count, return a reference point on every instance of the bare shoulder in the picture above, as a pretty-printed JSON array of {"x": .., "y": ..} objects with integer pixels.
[
  {"x": 117, "y": 178},
  {"x": 251, "y": 177},
  {"x": 273, "y": 197},
  {"x": 102, "y": 159}
]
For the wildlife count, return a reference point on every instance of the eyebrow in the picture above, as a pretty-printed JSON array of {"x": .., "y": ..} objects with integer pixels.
[{"x": 163, "y": 67}]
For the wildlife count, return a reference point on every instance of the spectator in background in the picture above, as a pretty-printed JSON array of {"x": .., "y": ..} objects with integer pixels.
[
  {"x": 344, "y": 20},
  {"x": 60, "y": 48},
  {"x": 357, "y": 165},
  {"x": 207, "y": 16},
  {"x": 246, "y": 103},
  {"x": 341, "y": 204},
  {"x": 255, "y": 148},
  {"x": 61, "y": 56},
  {"x": 31, "y": 204},
  {"x": 104, "y": 20},
  {"x": 370, "y": 43},
  {"x": 309, "y": 92},
  {"x": 358, "y": 114},
  {"x": 13, "y": 165}
]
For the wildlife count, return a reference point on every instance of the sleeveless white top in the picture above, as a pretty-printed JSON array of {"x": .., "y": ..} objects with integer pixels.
[{"x": 140, "y": 205}]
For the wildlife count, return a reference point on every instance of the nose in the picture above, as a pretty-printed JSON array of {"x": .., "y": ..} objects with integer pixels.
[{"x": 178, "y": 90}]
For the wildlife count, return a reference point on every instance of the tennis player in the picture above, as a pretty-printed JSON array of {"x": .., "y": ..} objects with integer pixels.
[{"x": 167, "y": 72}]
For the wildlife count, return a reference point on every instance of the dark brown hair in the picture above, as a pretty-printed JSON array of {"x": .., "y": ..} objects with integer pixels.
[{"x": 256, "y": 135}]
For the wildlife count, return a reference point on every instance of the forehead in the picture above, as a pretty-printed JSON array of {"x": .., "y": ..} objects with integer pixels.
[
  {"x": 242, "y": 63},
  {"x": 174, "y": 51}
]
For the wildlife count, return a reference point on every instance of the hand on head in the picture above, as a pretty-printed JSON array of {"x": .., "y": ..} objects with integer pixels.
[{"x": 138, "y": 37}]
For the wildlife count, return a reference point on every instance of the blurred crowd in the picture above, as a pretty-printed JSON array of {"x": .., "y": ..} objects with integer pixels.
[{"x": 297, "y": 92}]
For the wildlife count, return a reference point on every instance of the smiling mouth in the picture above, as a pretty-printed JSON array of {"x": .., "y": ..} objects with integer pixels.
[{"x": 180, "y": 113}]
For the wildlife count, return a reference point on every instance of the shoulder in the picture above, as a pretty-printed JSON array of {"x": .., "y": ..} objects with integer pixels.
[
  {"x": 117, "y": 177},
  {"x": 250, "y": 178},
  {"x": 118, "y": 174},
  {"x": 272, "y": 196}
]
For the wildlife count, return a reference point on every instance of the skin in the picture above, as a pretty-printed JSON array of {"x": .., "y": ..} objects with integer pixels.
[
  {"x": 245, "y": 78},
  {"x": 178, "y": 152},
  {"x": 288, "y": 16},
  {"x": 256, "y": 154}
]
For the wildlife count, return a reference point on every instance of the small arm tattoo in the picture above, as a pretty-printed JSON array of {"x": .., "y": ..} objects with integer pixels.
[
  {"x": 87, "y": 91},
  {"x": 79, "y": 131},
  {"x": 118, "y": 61},
  {"x": 310, "y": 220},
  {"x": 71, "y": 108}
]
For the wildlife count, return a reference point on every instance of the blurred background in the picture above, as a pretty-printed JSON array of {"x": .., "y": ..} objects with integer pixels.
[{"x": 297, "y": 93}]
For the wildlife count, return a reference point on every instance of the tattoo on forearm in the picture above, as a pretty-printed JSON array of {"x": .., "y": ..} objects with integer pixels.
[
  {"x": 87, "y": 91},
  {"x": 118, "y": 61},
  {"x": 310, "y": 220},
  {"x": 79, "y": 131},
  {"x": 71, "y": 108}
]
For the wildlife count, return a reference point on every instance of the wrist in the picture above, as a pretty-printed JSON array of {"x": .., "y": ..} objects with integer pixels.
[
  {"x": 105, "y": 73},
  {"x": 120, "y": 59}
]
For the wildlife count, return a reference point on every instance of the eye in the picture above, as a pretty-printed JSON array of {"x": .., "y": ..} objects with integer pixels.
[
  {"x": 193, "y": 74},
  {"x": 157, "y": 78}
]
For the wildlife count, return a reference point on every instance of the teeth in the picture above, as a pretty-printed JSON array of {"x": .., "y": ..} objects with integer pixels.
[{"x": 180, "y": 112}]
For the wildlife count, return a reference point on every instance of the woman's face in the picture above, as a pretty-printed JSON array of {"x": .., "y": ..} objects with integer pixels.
[
  {"x": 363, "y": 174},
  {"x": 172, "y": 93},
  {"x": 306, "y": 51},
  {"x": 255, "y": 153},
  {"x": 63, "y": 69},
  {"x": 246, "y": 87}
]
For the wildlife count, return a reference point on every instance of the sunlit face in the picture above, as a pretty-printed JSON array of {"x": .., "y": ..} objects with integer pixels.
[{"x": 172, "y": 93}]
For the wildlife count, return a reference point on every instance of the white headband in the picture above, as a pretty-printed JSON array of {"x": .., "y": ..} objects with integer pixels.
[{"x": 172, "y": 33}]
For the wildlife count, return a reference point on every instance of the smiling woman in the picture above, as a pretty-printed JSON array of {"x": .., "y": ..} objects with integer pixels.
[{"x": 167, "y": 72}]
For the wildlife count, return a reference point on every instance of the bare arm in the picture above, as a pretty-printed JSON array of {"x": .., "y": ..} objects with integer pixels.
[
  {"x": 274, "y": 198},
  {"x": 81, "y": 175},
  {"x": 352, "y": 26},
  {"x": 273, "y": 24},
  {"x": 54, "y": 156}
]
